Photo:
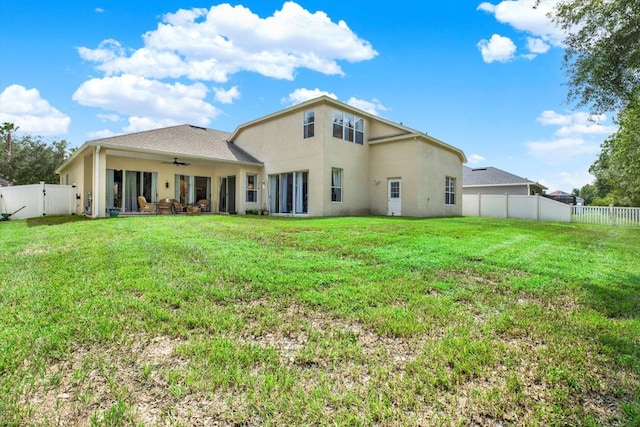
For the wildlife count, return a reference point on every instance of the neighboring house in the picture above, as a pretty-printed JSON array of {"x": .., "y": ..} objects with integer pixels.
[
  {"x": 318, "y": 158},
  {"x": 490, "y": 180},
  {"x": 4, "y": 182},
  {"x": 565, "y": 197}
]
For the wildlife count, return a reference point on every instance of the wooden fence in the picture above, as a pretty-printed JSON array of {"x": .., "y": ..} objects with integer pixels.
[{"x": 606, "y": 215}]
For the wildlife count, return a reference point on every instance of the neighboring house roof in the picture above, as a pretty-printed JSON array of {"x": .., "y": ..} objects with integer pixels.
[
  {"x": 4, "y": 182},
  {"x": 490, "y": 176},
  {"x": 182, "y": 141},
  {"x": 558, "y": 193}
]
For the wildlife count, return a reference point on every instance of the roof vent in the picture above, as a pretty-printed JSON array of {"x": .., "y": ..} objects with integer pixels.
[{"x": 479, "y": 169}]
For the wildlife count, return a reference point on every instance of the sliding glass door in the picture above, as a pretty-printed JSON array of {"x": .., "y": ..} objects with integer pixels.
[
  {"x": 124, "y": 187},
  {"x": 227, "y": 194},
  {"x": 289, "y": 193},
  {"x": 190, "y": 189}
]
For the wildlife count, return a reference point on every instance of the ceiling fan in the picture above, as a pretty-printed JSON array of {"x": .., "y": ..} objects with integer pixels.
[{"x": 178, "y": 163}]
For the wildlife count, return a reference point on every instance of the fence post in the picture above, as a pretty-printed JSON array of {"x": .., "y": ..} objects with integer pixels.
[
  {"x": 43, "y": 203},
  {"x": 506, "y": 205}
]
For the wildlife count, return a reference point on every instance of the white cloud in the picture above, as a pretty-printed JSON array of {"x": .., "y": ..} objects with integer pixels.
[
  {"x": 99, "y": 10},
  {"x": 226, "y": 96},
  {"x": 475, "y": 159},
  {"x": 99, "y": 134},
  {"x": 210, "y": 44},
  {"x": 561, "y": 148},
  {"x": 160, "y": 102},
  {"x": 522, "y": 16},
  {"x": 108, "y": 117},
  {"x": 26, "y": 109},
  {"x": 302, "y": 94},
  {"x": 372, "y": 107},
  {"x": 498, "y": 48},
  {"x": 567, "y": 181},
  {"x": 578, "y": 134},
  {"x": 536, "y": 45},
  {"x": 550, "y": 117},
  {"x": 139, "y": 124},
  {"x": 576, "y": 124}
]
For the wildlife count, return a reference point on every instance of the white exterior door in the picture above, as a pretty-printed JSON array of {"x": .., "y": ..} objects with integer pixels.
[{"x": 394, "y": 193}]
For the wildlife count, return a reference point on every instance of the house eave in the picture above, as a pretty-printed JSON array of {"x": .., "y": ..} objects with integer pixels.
[
  {"x": 511, "y": 184},
  {"x": 118, "y": 150},
  {"x": 423, "y": 137}
]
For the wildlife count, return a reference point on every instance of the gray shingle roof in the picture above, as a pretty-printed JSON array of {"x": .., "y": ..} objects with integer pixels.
[
  {"x": 181, "y": 141},
  {"x": 491, "y": 176}
]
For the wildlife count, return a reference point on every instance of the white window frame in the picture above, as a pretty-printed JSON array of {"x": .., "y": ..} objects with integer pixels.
[
  {"x": 252, "y": 188},
  {"x": 308, "y": 124},
  {"x": 450, "y": 191},
  {"x": 337, "y": 183},
  {"x": 348, "y": 127}
]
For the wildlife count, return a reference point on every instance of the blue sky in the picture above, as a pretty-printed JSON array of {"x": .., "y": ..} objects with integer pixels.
[{"x": 485, "y": 77}]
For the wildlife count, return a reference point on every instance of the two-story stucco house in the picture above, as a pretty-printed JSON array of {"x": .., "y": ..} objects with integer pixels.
[{"x": 318, "y": 158}]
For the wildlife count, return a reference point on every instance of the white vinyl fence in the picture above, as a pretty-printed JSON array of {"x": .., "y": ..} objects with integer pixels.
[
  {"x": 542, "y": 208},
  {"x": 519, "y": 207},
  {"x": 607, "y": 215},
  {"x": 38, "y": 200}
]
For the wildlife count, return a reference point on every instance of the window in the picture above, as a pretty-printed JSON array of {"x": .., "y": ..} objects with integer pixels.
[
  {"x": 252, "y": 187},
  {"x": 309, "y": 123},
  {"x": 336, "y": 185},
  {"x": 348, "y": 127},
  {"x": 450, "y": 191}
]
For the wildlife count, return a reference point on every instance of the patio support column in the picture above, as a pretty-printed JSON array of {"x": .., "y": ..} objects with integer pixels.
[{"x": 96, "y": 184}]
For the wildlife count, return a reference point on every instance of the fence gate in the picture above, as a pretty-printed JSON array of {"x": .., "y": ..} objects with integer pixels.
[{"x": 38, "y": 199}]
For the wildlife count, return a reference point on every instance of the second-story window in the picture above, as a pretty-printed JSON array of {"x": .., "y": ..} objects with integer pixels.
[
  {"x": 348, "y": 127},
  {"x": 309, "y": 123}
]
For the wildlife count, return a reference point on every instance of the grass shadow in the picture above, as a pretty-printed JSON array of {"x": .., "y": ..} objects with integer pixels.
[
  {"x": 618, "y": 299},
  {"x": 54, "y": 220}
]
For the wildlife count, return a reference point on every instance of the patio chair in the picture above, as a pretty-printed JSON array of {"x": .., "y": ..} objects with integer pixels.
[
  {"x": 177, "y": 206},
  {"x": 144, "y": 206},
  {"x": 202, "y": 204}
]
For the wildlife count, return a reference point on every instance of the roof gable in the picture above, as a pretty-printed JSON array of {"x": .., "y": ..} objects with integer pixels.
[{"x": 401, "y": 131}]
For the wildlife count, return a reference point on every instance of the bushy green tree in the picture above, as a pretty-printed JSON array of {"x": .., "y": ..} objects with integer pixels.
[
  {"x": 602, "y": 52},
  {"x": 617, "y": 169},
  {"x": 588, "y": 193},
  {"x": 602, "y": 63},
  {"x": 33, "y": 160}
]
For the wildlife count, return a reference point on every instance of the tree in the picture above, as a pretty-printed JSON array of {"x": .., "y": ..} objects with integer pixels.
[
  {"x": 617, "y": 169},
  {"x": 33, "y": 160},
  {"x": 588, "y": 193},
  {"x": 602, "y": 56},
  {"x": 5, "y": 132}
]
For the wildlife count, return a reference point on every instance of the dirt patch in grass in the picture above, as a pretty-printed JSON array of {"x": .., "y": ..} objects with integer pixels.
[{"x": 339, "y": 368}]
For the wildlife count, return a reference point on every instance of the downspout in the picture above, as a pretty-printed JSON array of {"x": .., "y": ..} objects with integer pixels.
[{"x": 96, "y": 185}]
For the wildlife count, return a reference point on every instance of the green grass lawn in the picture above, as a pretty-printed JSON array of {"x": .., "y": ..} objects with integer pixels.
[{"x": 192, "y": 320}]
